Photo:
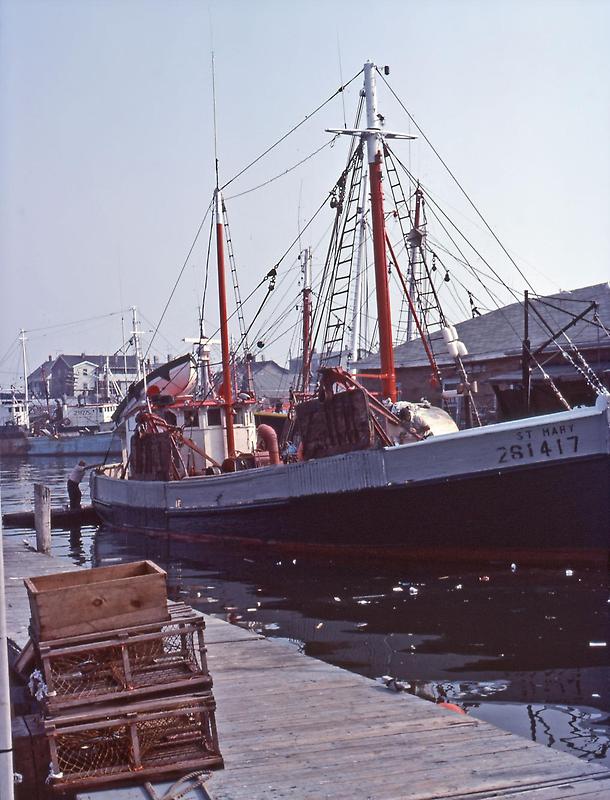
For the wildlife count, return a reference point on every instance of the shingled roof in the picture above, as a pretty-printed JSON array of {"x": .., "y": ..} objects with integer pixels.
[
  {"x": 498, "y": 334},
  {"x": 116, "y": 364}
]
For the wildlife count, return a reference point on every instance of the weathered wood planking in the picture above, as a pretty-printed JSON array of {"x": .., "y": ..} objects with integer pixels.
[{"x": 294, "y": 727}]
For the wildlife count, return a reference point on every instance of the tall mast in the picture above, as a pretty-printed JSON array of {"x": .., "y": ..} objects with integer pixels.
[
  {"x": 374, "y": 136},
  {"x": 415, "y": 240},
  {"x": 136, "y": 342},
  {"x": 374, "y": 146},
  {"x": 306, "y": 268},
  {"x": 26, "y": 395},
  {"x": 227, "y": 389}
]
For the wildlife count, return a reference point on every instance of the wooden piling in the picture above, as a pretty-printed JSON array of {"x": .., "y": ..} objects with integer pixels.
[{"x": 42, "y": 517}]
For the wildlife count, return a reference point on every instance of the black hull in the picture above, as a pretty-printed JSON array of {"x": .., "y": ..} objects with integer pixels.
[{"x": 555, "y": 512}]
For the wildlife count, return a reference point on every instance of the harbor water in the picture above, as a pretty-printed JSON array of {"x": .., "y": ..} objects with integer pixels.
[{"x": 526, "y": 649}]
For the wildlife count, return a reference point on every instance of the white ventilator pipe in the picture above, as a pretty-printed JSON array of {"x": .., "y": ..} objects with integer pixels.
[{"x": 6, "y": 738}]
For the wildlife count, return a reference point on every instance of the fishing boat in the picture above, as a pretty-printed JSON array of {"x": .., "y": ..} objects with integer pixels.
[
  {"x": 21, "y": 436},
  {"x": 371, "y": 474}
]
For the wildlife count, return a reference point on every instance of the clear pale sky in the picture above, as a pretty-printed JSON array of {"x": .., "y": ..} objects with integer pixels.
[{"x": 106, "y": 144}]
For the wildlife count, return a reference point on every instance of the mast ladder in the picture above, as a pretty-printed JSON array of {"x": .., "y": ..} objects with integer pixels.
[
  {"x": 339, "y": 289},
  {"x": 238, "y": 302},
  {"x": 420, "y": 274}
]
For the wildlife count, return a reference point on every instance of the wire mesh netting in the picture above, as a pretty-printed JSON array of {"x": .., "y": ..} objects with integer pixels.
[
  {"x": 156, "y": 660},
  {"x": 148, "y": 741}
]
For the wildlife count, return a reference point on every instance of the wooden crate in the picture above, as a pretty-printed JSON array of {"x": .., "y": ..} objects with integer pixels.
[
  {"x": 93, "y": 600},
  {"x": 126, "y": 664},
  {"x": 30, "y": 757},
  {"x": 106, "y": 744}
]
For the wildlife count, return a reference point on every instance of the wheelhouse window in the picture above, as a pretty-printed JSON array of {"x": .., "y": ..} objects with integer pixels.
[
  {"x": 170, "y": 417},
  {"x": 214, "y": 418},
  {"x": 191, "y": 418}
]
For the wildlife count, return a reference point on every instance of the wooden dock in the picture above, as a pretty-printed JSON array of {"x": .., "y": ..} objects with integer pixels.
[
  {"x": 291, "y": 726},
  {"x": 60, "y": 518}
]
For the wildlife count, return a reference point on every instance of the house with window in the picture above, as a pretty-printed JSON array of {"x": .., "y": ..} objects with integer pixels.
[
  {"x": 567, "y": 368},
  {"x": 84, "y": 376}
]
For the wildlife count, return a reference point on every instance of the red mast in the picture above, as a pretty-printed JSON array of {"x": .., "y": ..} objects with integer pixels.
[
  {"x": 227, "y": 386},
  {"x": 375, "y": 158}
]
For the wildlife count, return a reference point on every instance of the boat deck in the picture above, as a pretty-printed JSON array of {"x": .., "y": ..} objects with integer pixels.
[{"x": 291, "y": 726}]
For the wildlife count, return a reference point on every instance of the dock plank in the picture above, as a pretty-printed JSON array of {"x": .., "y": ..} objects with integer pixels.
[{"x": 294, "y": 728}]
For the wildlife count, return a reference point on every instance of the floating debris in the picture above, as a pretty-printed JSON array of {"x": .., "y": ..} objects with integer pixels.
[{"x": 393, "y": 683}]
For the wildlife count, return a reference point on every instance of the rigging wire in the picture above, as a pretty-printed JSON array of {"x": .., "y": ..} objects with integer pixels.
[
  {"x": 596, "y": 322},
  {"x": 286, "y": 171},
  {"x": 77, "y": 321},
  {"x": 291, "y": 131},
  {"x": 458, "y": 184},
  {"x": 433, "y": 202},
  {"x": 186, "y": 260},
  {"x": 207, "y": 277},
  {"x": 10, "y": 348}
]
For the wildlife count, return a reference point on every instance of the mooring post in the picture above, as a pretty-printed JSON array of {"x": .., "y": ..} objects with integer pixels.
[{"x": 42, "y": 517}]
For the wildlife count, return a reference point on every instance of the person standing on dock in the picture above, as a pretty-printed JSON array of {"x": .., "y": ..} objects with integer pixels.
[{"x": 74, "y": 479}]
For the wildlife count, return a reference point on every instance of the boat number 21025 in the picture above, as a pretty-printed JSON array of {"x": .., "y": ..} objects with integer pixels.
[{"x": 557, "y": 440}]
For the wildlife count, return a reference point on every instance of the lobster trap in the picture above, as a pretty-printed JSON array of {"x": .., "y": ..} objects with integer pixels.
[
  {"x": 102, "y": 745},
  {"x": 129, "y": 663}
]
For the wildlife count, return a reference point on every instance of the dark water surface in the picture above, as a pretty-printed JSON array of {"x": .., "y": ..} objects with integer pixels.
[{"x": 526, "y": 649}]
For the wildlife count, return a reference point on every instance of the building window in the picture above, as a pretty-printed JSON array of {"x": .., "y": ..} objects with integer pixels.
[
  {"x": 85, "y": 371},
  {"x": 214, "y": 418}
]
